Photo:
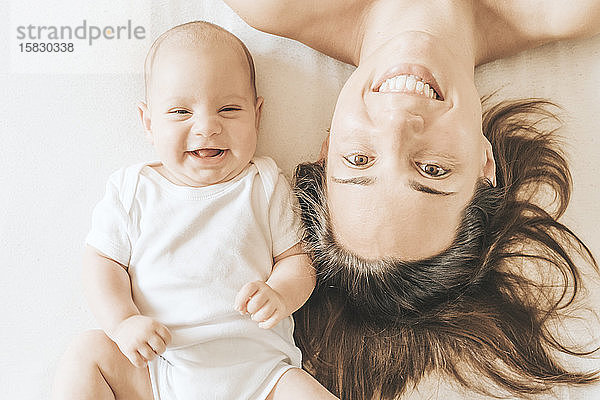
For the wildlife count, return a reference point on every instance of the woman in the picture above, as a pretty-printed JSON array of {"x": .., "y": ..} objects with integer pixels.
[{"x": 425, "y": 219}]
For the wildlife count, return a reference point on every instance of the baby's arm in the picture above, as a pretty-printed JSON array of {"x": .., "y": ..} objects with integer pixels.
[
  {"x": 287, "y": 289},
  {"x": 108, "y": 290}
]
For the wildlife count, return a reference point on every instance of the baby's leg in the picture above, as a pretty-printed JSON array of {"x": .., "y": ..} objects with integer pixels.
[
  {"x": 299, "y": 384},
  {"x": 94, "y": 368}
]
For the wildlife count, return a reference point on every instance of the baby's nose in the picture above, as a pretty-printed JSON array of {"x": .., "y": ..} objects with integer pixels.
[{"x": 206, "y": 126}]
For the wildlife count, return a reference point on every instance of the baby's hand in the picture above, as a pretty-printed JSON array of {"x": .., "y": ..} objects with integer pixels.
[
  {"x": 141, "y": 339},
  {"x": 264, "y": 304}
]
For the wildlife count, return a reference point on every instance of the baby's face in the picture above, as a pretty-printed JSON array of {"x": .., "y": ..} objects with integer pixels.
[{"x": 202, "y": 115}]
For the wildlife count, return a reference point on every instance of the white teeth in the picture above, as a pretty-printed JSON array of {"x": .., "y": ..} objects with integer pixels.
[
  {"x": 419, "y": 87},
  {"x": 401, "y": 80},
  {"x": 411, "y": 82},
  {"x": 408, "y": 83}
]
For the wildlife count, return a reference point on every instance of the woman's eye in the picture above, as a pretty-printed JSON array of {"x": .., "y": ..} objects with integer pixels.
[
  {"x": 358, "y": 160},
  {"x": 180, "y": 112},
  {"x": 432, "y": 170}
]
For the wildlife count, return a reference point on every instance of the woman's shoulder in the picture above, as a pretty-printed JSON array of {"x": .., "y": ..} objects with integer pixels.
[
  {"x": 508, "y": 27},
  {"x": 327, "y": 26},
  {"x": 556, "y": 19},
  {"x": 272, "y": 15},
  {"x": 290, "y": 15}
]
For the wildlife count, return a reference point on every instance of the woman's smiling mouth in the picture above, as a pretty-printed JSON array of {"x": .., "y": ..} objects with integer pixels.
[
  {"x": 410, "y": 79},
  {"x": 408, "y": 84}
]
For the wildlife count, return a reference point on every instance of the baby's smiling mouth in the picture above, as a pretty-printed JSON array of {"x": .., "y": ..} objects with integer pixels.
[{"x": 207, "y": 152}]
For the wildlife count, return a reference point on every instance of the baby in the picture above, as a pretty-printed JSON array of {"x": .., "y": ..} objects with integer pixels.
[{"x": 193, "y": 266}]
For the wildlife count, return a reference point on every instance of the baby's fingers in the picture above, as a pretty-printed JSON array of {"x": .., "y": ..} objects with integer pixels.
[
  {"x": 136, "y": 359},
  {"x": 264, "y": 313},
  {"x": 259, "y": 300},
  {"x": 164, "y": 334},
  {"x": 157, "y": 344},
  {"x": 271, "y": 321},
  {"x": 147, "y": 353},
  {"x": 245, "y": 293}
]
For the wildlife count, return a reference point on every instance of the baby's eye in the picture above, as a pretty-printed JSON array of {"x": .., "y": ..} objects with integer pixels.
[
  {"x": 358, "y": 160},
  {"x": 432, "y": 170},
  {"x": 179, "y": 111}
]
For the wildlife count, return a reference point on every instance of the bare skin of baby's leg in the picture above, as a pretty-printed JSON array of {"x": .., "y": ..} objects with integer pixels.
[
  {"x": 94, "y": 368},
  {"x": 299, "y": 384}
]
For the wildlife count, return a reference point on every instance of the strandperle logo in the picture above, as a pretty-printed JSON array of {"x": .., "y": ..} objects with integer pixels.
[{"x": 84, "y": 31}]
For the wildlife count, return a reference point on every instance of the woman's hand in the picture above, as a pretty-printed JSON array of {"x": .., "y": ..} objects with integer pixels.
[
  {"x": 141, "y": 339},
  {"x": 263, "y": 303}
]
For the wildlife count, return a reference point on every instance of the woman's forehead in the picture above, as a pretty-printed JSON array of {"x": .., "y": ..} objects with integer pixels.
[{"x": 378, "y": 221}]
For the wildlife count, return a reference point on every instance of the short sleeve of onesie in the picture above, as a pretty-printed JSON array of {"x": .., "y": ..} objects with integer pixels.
[
  {"x": 284, "y": 223},
  {"x": 108, "y": 233}
]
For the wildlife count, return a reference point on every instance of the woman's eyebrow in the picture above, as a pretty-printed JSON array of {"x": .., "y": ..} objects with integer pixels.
[
  {"x": 426, "y": 189},
  {"x": 357, "y": 180},
  {"x": 370, "y": 180}
]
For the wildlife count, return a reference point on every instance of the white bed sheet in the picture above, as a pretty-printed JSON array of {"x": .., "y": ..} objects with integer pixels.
[{"x": 63, "y": 133}]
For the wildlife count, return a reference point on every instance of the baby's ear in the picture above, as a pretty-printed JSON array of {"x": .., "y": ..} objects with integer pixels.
[
  {"x": 258, "y": 110},
  {"x": 145, "y": 119}
]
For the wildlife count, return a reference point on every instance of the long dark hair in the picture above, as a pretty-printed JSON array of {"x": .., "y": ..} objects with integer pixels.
[{"x": 479, "y": 311}]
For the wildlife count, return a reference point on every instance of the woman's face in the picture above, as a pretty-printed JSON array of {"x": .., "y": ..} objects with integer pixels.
[{"x": 401, "y": 166}]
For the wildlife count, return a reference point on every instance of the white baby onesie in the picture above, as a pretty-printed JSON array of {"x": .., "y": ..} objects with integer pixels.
[{"x": 188, "y": 252}]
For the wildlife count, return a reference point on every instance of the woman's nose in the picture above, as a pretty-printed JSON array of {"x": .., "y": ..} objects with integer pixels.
[{"x": 206, "y": 126}]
